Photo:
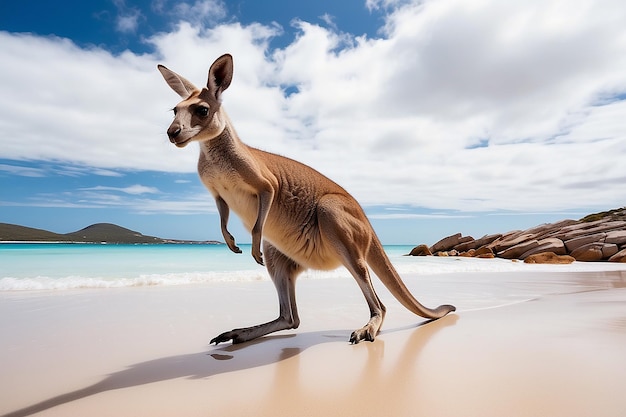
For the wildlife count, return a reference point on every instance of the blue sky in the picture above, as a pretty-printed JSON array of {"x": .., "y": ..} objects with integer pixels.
[{"x": 439, "y": 116}]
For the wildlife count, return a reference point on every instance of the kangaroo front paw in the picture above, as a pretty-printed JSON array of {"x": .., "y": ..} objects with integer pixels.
[
  {"x": 258, "y": 257},
  {"x": 234, "y": 248},
  {"x": 231, "y": 244}
]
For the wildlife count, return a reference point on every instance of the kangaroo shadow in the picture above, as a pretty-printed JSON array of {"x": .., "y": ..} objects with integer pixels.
[{"x": 260, "y": 352}]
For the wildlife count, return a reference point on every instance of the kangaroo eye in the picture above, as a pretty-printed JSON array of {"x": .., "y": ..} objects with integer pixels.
[{"x": 202, "y": 111}]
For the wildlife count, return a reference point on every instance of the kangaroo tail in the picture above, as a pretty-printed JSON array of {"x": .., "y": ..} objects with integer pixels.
[{"x": 382, "y": 267}]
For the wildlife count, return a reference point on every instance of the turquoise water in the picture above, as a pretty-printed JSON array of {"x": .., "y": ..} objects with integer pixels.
[
  {"x": 25, "y": 266},
  {"x": 53, "y": 266},
  {"x": 114, "y": 261}
]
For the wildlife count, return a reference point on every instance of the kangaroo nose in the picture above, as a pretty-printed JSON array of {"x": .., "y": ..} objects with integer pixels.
[{"x": 173, "y": 132}]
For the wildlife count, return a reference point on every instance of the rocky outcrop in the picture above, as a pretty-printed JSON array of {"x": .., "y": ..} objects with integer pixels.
[
  {"x": 595, "y": 251},
  {"x": 476, "y": 244},
  {"x": 597, "y": 237},
  {"x": 420, "y": 250},
  {"x": 548, "y": 258},
  {"x": 550, "y": 245},
  {"x": 450, "y": 242},
  {"x": 619, "y": 256}
]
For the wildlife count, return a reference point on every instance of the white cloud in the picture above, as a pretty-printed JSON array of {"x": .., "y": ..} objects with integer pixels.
[
  {"x": 396, "y": 120},
  {"x": 329, "y": 20},
  {"x": 99, "y": 197},
  {"x": 22, "y": 171},
  {"x": 384, "y": 4},
  {"x": 136, "y": 189},
  {"x": 396, "y": 216},
  {"x": 84, "y": 106},
  {"x": 128, "y": 23},
  {"x": 127, "y": 20},
  {"x": 61, "y": 170},
  {"x": 200, "y": 11},
  {"x": 201, "y": 205}
]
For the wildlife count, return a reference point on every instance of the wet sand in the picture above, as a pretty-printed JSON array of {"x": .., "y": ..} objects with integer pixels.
[{"x": 144, "y": 352}]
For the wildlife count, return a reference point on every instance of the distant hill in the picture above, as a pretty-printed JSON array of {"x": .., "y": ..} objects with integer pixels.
[
  {"x": 15, "y": 232},
  {"x": 107, "y": 232},
  {"x": 96, "y": 233}
]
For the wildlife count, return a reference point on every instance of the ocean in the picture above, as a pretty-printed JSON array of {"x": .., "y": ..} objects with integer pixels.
[{"x": 62, "y": 266}]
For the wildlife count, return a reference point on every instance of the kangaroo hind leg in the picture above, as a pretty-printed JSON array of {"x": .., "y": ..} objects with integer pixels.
[
  {"x": 283, "y": 272},
  {"x": 345, "y": 228},
  {"x": 360, "y": 272}
]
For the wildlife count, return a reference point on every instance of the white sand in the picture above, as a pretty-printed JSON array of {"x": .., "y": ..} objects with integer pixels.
[{"x": 144, "y": 352}]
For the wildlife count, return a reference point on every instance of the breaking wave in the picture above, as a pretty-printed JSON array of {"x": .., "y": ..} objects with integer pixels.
[{"x": 404, "y": 265}]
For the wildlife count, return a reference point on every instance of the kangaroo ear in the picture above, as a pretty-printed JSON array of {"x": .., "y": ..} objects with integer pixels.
[
  {"x": 182, "y": 86},
  {"x": 220, "y": 75}
]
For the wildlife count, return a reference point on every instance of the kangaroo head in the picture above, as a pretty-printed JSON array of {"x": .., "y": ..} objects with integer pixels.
[{"x": 197, "y": 117}]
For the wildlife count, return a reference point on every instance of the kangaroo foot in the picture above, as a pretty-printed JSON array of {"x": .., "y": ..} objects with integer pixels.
[
  {"x": 248, "y": 333},
  {"x": 235, "y": 335},
  {"x": 367, "y": 333}
]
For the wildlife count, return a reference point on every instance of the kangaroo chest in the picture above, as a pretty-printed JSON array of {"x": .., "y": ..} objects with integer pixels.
[{"x": 224, "y": 180}]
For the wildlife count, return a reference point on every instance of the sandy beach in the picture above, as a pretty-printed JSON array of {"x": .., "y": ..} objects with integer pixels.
[{"x": 557, "y": 349}]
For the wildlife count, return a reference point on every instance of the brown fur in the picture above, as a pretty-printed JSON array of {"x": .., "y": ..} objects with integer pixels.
[{"x": 303, "y": 219}]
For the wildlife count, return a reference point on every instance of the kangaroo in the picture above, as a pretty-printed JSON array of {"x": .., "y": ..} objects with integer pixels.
[{"x": 303, "y": 219}]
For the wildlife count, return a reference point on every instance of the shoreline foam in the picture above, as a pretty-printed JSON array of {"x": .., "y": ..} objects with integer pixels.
[{"x": 404, "y": 265}]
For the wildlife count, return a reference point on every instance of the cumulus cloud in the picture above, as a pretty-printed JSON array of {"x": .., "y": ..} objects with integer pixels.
[
  {"x": 136, "y": 189},
  {"x": 214, "y": 9},
  {"x": 384, "y": 4},
  {"x": 128, "y": 23},
  {"x": 83, "y": 106},
  {"x": 199, "y": 12},
  {"x": 457, "y": 105},
  {"x": 144, "y": 206},
  {"x": 127, "y": 19},
  {"x": 22, "y": 171},
  {"x": 139, "y": 199}
]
